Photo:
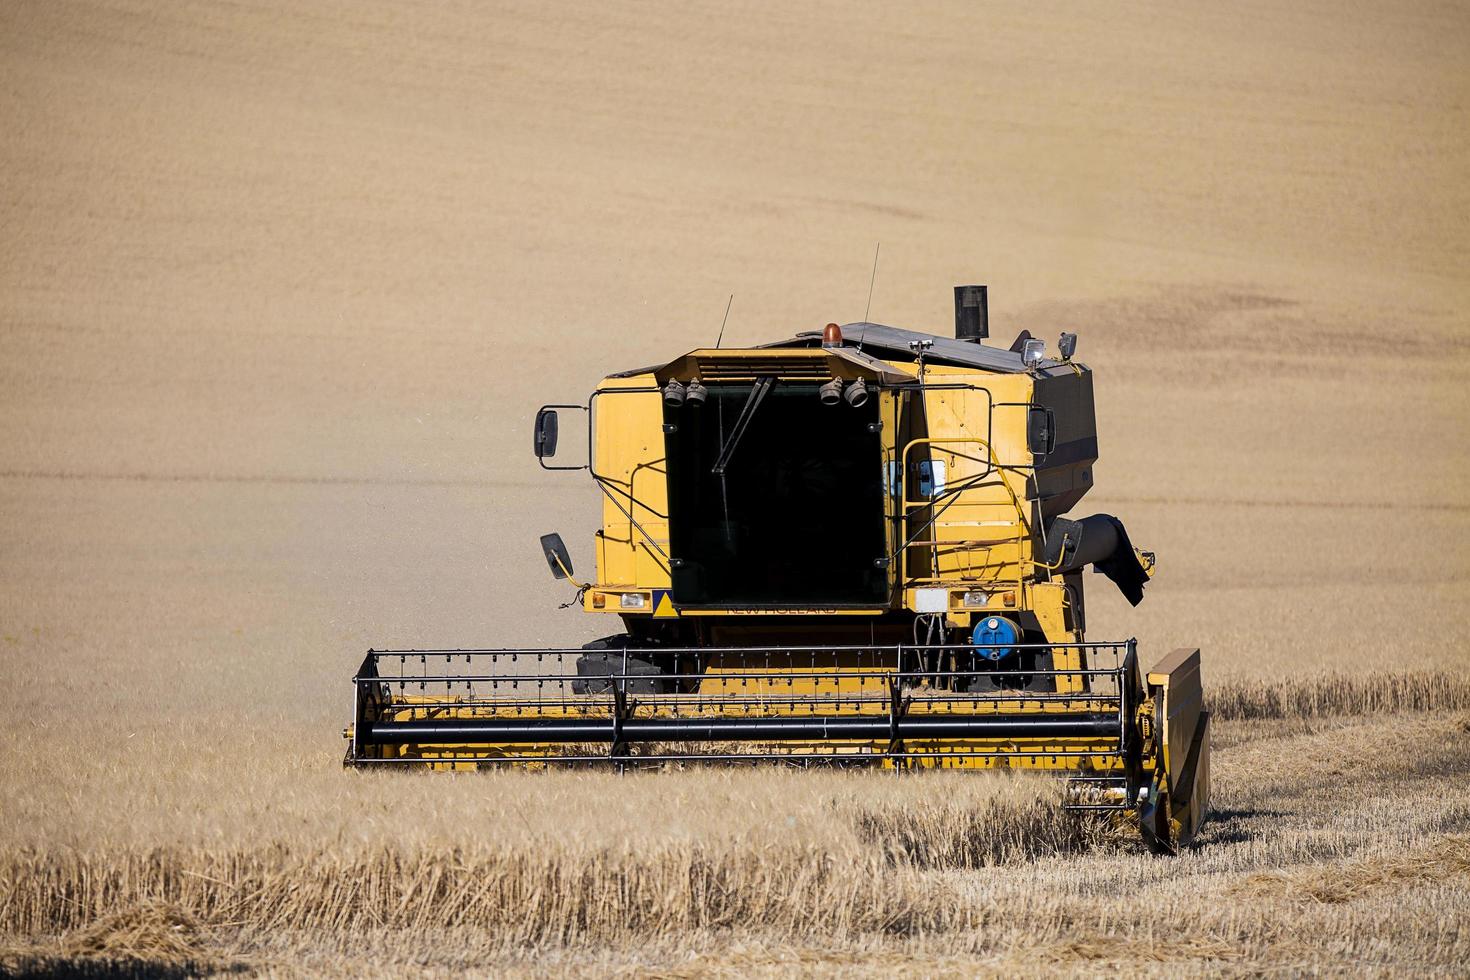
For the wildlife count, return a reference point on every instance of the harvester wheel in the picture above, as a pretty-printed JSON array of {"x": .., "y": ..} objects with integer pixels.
[{"x": 604, "y": 658}]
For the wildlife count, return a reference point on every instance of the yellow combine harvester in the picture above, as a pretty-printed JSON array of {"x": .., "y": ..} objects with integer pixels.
[{"x": 847, "y": 547}]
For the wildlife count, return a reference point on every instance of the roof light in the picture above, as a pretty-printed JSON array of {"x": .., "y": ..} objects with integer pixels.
[
  {"x": 831, "y": 392},
  {"x": 1032, "y": 353},
  {"x": 673, "y": 394},
  {"x": 832, "y": 336},
  {"x": 1067, "y": 345},
  {"x": 856, "y": 393},
  {"x": 696, "y": 393}
]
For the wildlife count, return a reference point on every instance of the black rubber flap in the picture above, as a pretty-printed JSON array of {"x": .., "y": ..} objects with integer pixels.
[{"x": 1123, "y": 566}]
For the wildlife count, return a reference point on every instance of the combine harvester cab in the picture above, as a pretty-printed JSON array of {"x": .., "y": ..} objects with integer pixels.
[{"x": 846, "y": 548}]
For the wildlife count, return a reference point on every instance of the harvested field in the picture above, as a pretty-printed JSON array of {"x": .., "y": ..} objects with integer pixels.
[
  {"x": 834, "y": 871},
  {"x": 281, "y": 286}
]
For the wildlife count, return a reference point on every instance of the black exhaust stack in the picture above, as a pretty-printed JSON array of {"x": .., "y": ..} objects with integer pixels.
[{"x": 971, "y": 314}]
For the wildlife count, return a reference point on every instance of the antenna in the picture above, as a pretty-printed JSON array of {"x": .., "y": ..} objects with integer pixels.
[
  {"x": 867, "y": 309},
  {"x": 721, "y": 337}
]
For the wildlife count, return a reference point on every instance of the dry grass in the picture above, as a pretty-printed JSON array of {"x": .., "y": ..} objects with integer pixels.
[
  {"x": 763, "y": 871},
  {"x": 798, "y": 854},
  {"x": 1326, "y": 695},
  {"x": 147, "y": 939},
  {"x": 1446, "y": 859},
  {"x": 150, "y": 931}
]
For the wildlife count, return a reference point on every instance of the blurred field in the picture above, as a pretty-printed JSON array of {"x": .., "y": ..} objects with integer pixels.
[{"x": 281, "y": 285}]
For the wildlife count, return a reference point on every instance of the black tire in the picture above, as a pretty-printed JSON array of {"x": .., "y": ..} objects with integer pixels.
[{"x": 604, "y": 658}]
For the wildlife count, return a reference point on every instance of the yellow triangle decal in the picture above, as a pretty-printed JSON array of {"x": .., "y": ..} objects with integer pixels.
[{"x": 664, "y": 608}]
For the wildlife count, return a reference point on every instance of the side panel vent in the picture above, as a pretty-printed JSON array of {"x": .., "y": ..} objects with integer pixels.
[{"x": 745, "y": 368}]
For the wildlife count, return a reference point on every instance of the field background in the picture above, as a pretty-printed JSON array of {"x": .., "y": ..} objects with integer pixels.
[{"x": 282, "y": 284}]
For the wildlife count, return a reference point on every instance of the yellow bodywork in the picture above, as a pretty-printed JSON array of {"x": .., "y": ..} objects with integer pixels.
[
  {"x": 981, "y": 543},
  {"x": 976, "y": 465}
]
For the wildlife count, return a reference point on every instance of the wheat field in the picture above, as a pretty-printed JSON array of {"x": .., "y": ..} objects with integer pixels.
[
  {"x": 1344, "y": 858},
  {"x": 282, "y": 285}
]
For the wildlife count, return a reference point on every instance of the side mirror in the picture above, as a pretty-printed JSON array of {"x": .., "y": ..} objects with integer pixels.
[
  {"x": 552, "y": 546},
  {"x": 1041, "y": 431},
  {"x": 545, "y": 437}
]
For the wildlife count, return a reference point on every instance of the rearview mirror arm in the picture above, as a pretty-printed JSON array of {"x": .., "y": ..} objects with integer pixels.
[{"x": 542, "y": 459}]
